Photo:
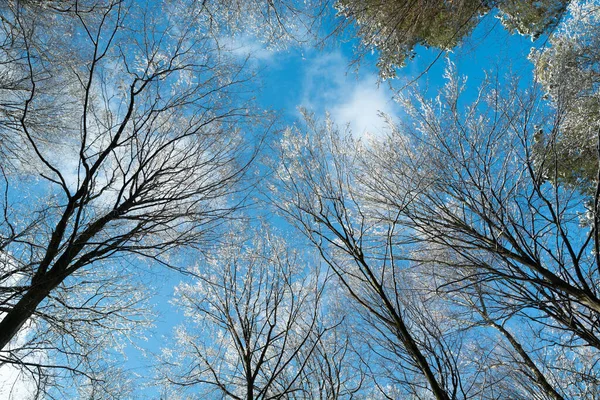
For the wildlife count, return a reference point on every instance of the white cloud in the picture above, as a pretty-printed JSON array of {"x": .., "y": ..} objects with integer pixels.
[
  {"x": 353, "y": 99},
  {"x": 15, "y": 385},
  {"x": 18, "y": 383},
  {"x": 362, "y": 109}
]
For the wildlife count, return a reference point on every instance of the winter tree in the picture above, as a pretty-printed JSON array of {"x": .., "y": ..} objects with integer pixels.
[
  {"x": 318, "y": 190},
  {"x": 474, "y": 272},
  {"x": 253, "y": 323},
  {"x": 396, "y": 27},
  {"x": 129, "y": 132},
  {"x": 568, "y": 70}
]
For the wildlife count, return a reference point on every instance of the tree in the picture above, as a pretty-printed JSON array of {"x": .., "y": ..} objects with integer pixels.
[
  {"x": 491, "y": 227},
  {"x": 23, "y": 24},
  {"x": 276, "y": 22},
  {"x": 394, "y": 27},
  {"x": 334, "y": 370},
  {"x": 129, "y": 133},
  {"x": 446, "y": 232},
  {"x": 568, "y": 70},
  {"x": 254, "y": 321},
  {"x": 317, "y": 190}
]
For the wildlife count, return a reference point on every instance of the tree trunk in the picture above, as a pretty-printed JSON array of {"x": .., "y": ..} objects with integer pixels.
[
  {"x": 539, "y": 376},
  {"x": 22, "y": 311}
]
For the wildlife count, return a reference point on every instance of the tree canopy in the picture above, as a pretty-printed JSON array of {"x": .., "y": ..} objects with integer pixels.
[
  {"x": 395, "y": 28},
  {"x": 151, "y": 204}
]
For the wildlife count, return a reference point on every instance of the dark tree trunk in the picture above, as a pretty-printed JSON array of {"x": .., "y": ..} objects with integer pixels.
[{"x": 23, "y": 310}]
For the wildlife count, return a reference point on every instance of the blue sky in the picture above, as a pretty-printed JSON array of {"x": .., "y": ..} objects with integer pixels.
[{"x": 325, "y": 81}]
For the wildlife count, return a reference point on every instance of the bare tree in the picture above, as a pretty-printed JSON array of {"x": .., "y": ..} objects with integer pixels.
[
  {"x": 335, "y": 369},
  {"x": 254, "y": 321},
  {"x": 128, "y": 148},
  {"x": 476, "y": 199},
  {"x": 277, "y": 23},
  {"x": 318, "y": 191},
  {"x": 447, "y": 231}
]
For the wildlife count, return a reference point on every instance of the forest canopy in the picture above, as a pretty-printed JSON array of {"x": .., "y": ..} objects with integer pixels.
[{"x": 180, "y": 219}]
